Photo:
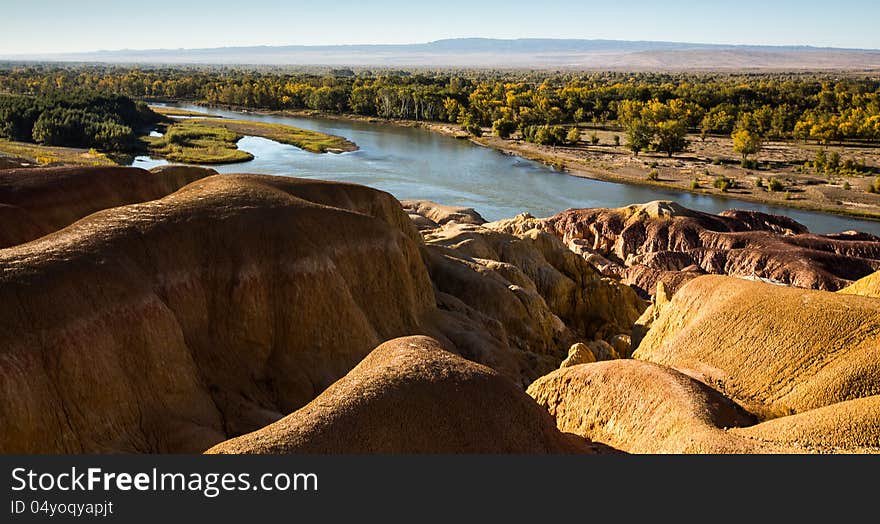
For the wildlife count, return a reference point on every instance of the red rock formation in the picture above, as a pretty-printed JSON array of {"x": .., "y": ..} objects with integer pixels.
[
  {"x": 543, "y": 296},
  {"x": 655, "y": 241}
]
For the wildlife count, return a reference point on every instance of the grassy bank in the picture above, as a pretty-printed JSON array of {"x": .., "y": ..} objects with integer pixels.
[
  {"x": 50, "y": 155},
  {"x": 192, "y": 142},
  {"x": 202, "y": 138},
  {"x": 312, "y": 141}
]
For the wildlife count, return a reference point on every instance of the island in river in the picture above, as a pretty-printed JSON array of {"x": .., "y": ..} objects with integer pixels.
[{"x": 201, "y": 138}]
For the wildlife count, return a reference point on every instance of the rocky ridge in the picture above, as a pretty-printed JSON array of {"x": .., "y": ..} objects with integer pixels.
[
  {"x": 178, "y": 312},
  {"x": 662, "y": 241}
]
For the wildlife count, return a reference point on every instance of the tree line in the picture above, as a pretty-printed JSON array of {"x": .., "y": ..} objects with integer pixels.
[{"x": 655, "y": 109}]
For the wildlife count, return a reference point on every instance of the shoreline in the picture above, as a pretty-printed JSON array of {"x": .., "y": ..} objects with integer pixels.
[{"x": 550, "y": 156}]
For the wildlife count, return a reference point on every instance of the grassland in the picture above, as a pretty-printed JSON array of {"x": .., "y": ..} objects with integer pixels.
[
  {"x": 47, "y": 155},
  {"x": 194, "y": 142},
  {"x": 312, "y": 141}
]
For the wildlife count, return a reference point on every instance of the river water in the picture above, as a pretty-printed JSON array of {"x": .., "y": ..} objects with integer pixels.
[{"x": 413, "y": 163}]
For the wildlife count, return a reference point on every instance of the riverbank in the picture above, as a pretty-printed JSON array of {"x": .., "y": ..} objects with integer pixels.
[
  {"x": 806, "y": 192},
  {"x": 695, "y": 171},
  {"x": 15, "y": 154}
]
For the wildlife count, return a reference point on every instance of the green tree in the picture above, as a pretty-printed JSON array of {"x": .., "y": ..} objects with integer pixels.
[
  {"x": 453, "y": 109},
  {"x": 504, "y": 127},
  {"x": 670, "y": 136},
  {"x": 470, "y": 124},
  {"x": 638, "y": 135},
  {"x": 717, "y": 120},
  {"x": 746, "y": 143},
  {"x": 363, "y": 100}
]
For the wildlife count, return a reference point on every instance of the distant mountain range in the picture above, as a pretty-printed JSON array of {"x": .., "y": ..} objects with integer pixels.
[{"x": 520, "y": 53}]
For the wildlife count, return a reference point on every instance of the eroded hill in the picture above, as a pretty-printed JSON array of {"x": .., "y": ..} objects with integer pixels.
[
  {"x": 261, "y": 314},
  {"x": 173, "y": 324},
  {"x": 663, "y": 241}
]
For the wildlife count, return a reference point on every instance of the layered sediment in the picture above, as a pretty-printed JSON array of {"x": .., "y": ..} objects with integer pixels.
[
  {"x": 663, "y": 241},
  {"x": 38, "y": 201},
  {"x": 175, "y": 323},
  {"x": 174, "y": 311}
]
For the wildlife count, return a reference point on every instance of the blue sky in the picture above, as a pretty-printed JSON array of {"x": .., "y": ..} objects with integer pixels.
[{"x": 34, "y": 26}]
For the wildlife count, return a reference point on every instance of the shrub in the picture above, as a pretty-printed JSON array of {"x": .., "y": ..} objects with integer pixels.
[
  {"x": 833, "y": 163},
  {"x": 545, "y": 135},
  {"x": 819, "y": 162},
  {"x": 748, "y": 163},
  {"x": 653, "y": 174},
  {"x": 475, "y": 130},
  {"x": 503, "y": 127},
  {"x": 723, "y": 183},
  {"x": 846, "y": 186},
  {"x": 695, "y": 183},
  {"x": 759, "y": 183},
  {"x": 774, "y": 184},
  {"x": 573, "y": 136},
  {"x": 470, "y": 125},
  {"x": 616, "y": 139},
  {"x": 594, "y": 139}
]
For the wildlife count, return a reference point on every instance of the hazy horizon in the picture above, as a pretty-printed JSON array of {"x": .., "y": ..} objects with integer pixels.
[
  {"x": 460, "y": 38},
  {"x": 55, "y": 27}
]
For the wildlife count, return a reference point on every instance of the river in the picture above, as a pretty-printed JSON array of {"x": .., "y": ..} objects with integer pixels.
[{"x": 413, "y": 163}]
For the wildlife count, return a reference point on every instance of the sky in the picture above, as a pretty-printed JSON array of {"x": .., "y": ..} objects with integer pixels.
[{"x": 50, "y": 26}]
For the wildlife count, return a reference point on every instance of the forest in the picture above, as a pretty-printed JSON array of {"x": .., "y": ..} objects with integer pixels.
[
  {"x": 654, "y": 110},
  {"x": 74, "y": 117}
]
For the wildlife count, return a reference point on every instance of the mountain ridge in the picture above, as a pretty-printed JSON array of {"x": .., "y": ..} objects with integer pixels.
[{"x": 538, "y": 53}]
